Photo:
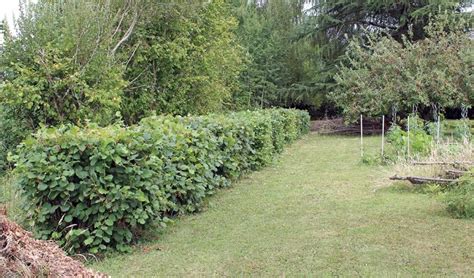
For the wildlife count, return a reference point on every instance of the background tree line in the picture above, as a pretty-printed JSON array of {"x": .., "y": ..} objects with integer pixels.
[{"x": 115, "y": 60}]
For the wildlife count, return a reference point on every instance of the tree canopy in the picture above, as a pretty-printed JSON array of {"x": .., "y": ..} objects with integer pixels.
[
  {"x": 386, "y": 76},
  {"x": 182, "y": 59}
]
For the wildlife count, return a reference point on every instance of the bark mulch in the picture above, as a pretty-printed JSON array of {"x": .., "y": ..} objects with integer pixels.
[{"x": 23, "y": 256}]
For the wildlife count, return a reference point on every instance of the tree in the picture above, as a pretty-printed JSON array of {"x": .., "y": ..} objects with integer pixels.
[
  {"x": 385, "y": 75},
  {"x": 60, "y": 66},
  {"x": 281, "y": 67},
  {"x": 186, "y": 59},
  {"x": 332, "y": 25}
]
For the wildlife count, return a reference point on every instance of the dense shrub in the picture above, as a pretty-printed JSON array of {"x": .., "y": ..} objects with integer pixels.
[
  {"x": 189, "y": 161},
  {"x": 460, "y": 199},
  {"x": 260, "y": 138},
  {"x": 304, "y": 121},
  {"x": 278, "y": 130},
  {"x": 92, "y": 188}
]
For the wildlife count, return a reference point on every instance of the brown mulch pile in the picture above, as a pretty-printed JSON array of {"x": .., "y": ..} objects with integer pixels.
[{"x": 23, "y": 256}]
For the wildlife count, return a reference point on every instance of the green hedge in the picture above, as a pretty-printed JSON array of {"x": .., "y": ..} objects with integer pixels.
[{"x": 92, "y": 189}]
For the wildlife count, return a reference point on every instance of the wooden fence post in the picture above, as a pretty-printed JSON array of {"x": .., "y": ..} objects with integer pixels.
[
  {"x": 361, "y": 137},
  {"x": 408, "y": 138},
  {"x": 383, "y": 132},
  {"x": 438, "y": 131}
]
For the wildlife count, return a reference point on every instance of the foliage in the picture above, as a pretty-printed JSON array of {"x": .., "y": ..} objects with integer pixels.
[
  {"x": 186, "y": 59},
  {"x": 89, "y": 187},
  {"x": 93, "y": 188},
  {"x": 79, "y": 61},
  {"x": 10, "y": 198},
  {"x": 281, "y": 67},
  {"x": 12, "y": 131},
  {"x": 386, "y": 75},
  {"x": 189, "y": 160},
  {"x": 59, "y": 67},
  {"x": 332, "y": 25},
  {"x": 53, "y": 73},
  {"x": 294, "y": 47},
  {"x": 372, "y": 159},
  {"x": 460, "y": 199},
  {"x": 73, "y": 61},
  {"x": 418, "y": 140},
  {"x": 462, "y": 129}
]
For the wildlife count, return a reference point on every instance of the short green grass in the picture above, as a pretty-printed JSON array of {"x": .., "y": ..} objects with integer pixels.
[{"x": 315, "y": 212}]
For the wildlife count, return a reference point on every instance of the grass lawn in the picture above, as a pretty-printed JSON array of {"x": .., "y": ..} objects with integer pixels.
[{"x": 315, "y": 212}]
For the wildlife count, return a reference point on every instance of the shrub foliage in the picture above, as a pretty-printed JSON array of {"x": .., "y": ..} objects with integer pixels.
[
  {"x": 419, "y": 139},
  {"x": 460, "y": 199},
  {"x": 91, "y": 189}
]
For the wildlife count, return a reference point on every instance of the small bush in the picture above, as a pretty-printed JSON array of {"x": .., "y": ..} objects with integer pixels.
[
  {"x": 419, "y": 139},
  {"x": 91, "y": 189},
  {"x": 462, "y": 130},
  {"x": 370, "y": 159},
  {"x": 460, "y": 199}
]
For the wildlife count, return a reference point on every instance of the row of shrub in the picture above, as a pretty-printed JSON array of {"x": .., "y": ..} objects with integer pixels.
[{"x": 91, "y": 189}]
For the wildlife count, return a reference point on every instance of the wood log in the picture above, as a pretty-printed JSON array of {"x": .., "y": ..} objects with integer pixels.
[{"x": 423, "y": 180}]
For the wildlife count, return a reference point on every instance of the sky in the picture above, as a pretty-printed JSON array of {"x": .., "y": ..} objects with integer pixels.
[{"x": 9, "y": 9}]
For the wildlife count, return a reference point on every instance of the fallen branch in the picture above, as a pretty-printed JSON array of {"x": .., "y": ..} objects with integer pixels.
[
  {"x": 456, "y": 173},
  {"x": 423, "y": 180},
  {"x": 443, "y": 163}
]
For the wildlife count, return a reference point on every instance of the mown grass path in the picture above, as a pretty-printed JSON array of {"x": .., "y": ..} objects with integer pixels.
[{"x": 315, "y": 212}]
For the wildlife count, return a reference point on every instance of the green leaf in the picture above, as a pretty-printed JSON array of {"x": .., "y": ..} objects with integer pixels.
[
  {"x": 68, "y": 218},
  {"x": 109, "y": 222},
  {"x": 42, "y": 186},
  {"x": 88, "y": 241}
]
